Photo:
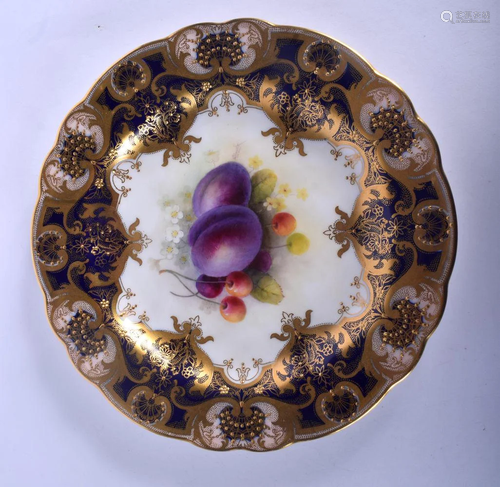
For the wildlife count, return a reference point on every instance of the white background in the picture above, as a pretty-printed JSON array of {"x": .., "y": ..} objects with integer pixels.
[{"x": 439, "y": 427}]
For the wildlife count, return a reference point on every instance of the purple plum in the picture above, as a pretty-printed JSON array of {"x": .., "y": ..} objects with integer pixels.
[
  {"x": 227, "y": 242},
  {"x": 227, "y": 184},
  {"x": 262, "y": 261},
  {"x": 214, "y": 216}
]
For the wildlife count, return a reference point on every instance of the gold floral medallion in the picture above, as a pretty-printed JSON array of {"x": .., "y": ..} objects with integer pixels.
[{"x": 244, "y": 235}]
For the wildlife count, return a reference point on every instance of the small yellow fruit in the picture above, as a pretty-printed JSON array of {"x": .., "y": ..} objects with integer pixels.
[{"x": 297, "y": 243}]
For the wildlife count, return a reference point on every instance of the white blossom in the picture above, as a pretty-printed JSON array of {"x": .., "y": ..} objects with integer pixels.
[
  {"x": 174, "y": 214},
  {"x": 174, "y": 234}
]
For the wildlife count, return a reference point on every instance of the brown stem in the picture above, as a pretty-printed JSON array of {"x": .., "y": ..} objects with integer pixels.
[
  {"x": 197, "y": 295},
  {"x": 177, "y": 274}
]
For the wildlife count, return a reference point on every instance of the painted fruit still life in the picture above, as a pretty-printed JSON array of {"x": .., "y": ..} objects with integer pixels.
[{"x": 232, "y": 233}]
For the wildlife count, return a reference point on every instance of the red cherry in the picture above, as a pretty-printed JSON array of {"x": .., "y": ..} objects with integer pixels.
[
  {"x": 283, "y": 224},
  {"x": 233, "y": 309},
  {"x": 239, "y": 284}
]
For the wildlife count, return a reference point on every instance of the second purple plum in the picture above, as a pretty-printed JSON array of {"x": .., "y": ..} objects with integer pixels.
[
  {"x": 214, "y": 216},
  {"x": 224, "y": 240},
  {"x": 227, "y": 184}
]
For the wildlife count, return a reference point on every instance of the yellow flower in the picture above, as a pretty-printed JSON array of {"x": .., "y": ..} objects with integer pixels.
[
  {"x": 279, "y": 204},
  {"x": 302, "y": 194},
  {"x": 270, "y": 203},
  {"x": 255, "y": 162},
  {"x": 212, "y": 156},
  {"x": 284, "y": 189},
  {"x": 189, "y": 217}
]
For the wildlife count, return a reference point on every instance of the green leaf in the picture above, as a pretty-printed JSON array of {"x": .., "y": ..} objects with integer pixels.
[
  {"x": 263, "y": 184},
  {"x": 267, "y": 290}
]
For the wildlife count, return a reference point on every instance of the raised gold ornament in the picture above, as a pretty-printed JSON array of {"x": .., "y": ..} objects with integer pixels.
[{"x": 244, "y": 235}]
